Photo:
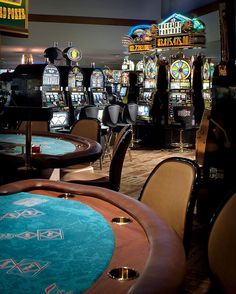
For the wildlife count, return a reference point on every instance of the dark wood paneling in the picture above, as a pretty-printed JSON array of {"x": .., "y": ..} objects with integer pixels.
[{"x": 205, "y": 9}]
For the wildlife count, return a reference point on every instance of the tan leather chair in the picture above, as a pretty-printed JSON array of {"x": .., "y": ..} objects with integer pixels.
[
  {"x": 87, "y": 128},
  {"x": 171, "y": 191},
  {"x": 222, "y": 248},
  {"x": 113, "y": 179},
  {"x": 36, "y": 126}
]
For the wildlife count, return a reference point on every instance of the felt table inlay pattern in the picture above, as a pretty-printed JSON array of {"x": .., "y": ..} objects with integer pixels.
[{"x": 50, "y": 245}]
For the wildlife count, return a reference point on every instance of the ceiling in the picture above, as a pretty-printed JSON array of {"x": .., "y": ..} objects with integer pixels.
[{"x": 97, "y": 28}]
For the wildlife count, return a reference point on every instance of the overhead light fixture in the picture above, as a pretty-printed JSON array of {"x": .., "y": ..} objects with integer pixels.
[{"x": 27, "y": 58}]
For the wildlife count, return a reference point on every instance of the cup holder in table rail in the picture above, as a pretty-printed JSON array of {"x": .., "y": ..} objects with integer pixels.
[
  {"x": 123, "y": 274},
  {"x": 66, "y": 195},
  {"x": 121, "y": 220}
]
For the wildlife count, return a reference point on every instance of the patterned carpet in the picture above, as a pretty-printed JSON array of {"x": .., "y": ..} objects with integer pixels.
[{"x": 134, "y": 174}]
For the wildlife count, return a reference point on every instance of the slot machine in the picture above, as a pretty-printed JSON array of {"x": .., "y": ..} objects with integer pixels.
[
  {"x": 113, "y": 80},
  {"x": 76, "y": 90},
  {"x": 38, "y": 85},
  {"x": 108, "y": 77},
  {"x": 53, "y": 96},
  {"x": 124, "y": 88},
  {"x": 140, "y": 76},
  {"x": 116, "y": 84},
  {"x": 207, "y": 74},
  {"x": 180, "y": 88},
  {"x": 150, "y": 81},
  {"x": 149, "y": 89},
  {"x": 97, "y": 88}
]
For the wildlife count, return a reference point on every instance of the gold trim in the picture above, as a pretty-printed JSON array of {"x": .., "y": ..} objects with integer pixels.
[
  {"x": 12, "y": 2},
  {"x": 20, "y": 31},
  {"x": 26, "y": 14}
]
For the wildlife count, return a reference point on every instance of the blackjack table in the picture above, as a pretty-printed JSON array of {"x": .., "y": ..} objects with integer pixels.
[
  {"x": 58, "y": 237},
  {"x": 49, "y": 150}
]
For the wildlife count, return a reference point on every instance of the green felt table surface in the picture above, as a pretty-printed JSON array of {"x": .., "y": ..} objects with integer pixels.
[{"x": 50, "y": 245}]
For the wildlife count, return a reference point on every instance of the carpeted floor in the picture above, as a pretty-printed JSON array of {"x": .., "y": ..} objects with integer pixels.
[{"x": 134, "y": 174}]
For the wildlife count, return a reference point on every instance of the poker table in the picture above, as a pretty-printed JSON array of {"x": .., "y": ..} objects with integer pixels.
[
  {"x": 55, "y": 150},
  {"x": 60, "y": 237}
]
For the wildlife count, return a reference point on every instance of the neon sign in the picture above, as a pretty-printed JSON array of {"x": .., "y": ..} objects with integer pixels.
[{"x": 175, "y": 31}]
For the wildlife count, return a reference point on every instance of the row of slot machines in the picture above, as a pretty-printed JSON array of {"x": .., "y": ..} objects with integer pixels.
[
  {"x": 176, "y": 81},
  {"x": 66, "y": 89},
  {"x": 63, "y": 88}
]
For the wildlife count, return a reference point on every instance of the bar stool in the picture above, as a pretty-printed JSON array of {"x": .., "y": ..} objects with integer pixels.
[
  {"x": 129, "y": 116},
  {"x": 110, "y": 120},
  {"x": 183, "y": 116}
]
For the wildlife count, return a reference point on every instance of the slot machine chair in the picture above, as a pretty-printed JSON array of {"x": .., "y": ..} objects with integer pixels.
[
  {"x": 129, "y": 116},
  {"x": 113, "y": 179},
  {"x": 88, "y": 111},
  {"x": 110, "y": 120},
  {"x": 183, "y": 116}
]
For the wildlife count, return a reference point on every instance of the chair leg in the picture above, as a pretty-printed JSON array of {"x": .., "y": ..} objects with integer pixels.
[
  {"x": 130, "y": 155},
  {"x": 100, "y": 161},
  {"x": 107, "y": 145},
  {"x": 181, "y": 144}
]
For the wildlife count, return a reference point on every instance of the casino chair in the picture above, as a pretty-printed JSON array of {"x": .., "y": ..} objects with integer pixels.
[
  {"x": 113, "y": 179},
  {"x": 109, "y": 119},
  {"x": 221, "y": 247},
  {"x": 129, "y": 116},
  {"x": 87, "y": 128},
  {"x": 36, "y": 126},
  {"x": 88, "y": 111},
  {"x": 170, "y": 190},
  {"x": 183, "y": 116},
  {"x": 119, "y": 137}
]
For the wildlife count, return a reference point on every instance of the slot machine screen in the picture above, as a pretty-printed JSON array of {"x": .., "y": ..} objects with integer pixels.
[
  {"x": 147, "y": 95},
  {"x": 59, "y": 119},
  {"x": 98, "y": 97},
  {"x": 150, "y": 84},
  {"x": 97, "y": 79},
  {"x": 118, "y": 88},
  {"x": 143, "y": 110},
  {"x": 51, "y": 75},
  {"x": 123, "y": 91}
]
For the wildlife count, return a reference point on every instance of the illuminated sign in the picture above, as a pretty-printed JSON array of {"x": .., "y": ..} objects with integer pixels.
[
  {"x": 175, "y": 31},
  {"x": 74, "y": 54},
  {"x": 14, "y": 16},
  {"x": 136, "y": 48},
  {"x": 180, "y": 41},
  {"x": 180, "y": 31}
]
